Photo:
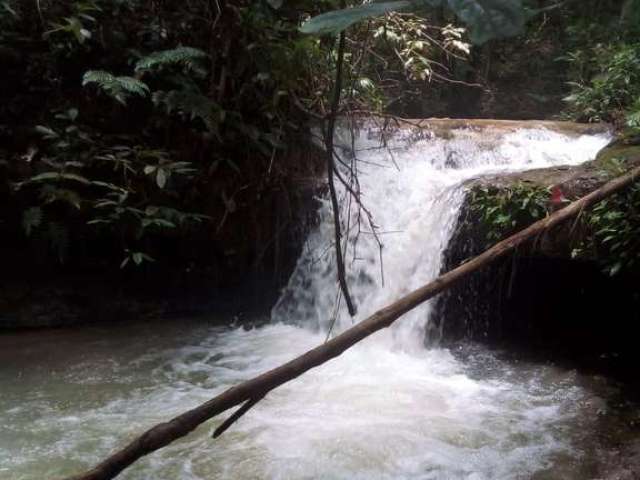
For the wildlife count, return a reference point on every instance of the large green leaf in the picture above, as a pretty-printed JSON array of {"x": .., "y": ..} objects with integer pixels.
[
  {"x": 338, "y": 20},
  {"x": 489, "y": 19},
  {"x": 486, "y": 19}
]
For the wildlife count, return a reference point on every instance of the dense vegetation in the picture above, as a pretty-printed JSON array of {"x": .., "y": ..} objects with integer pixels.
[
  {"x": 602, "y": 57},
  {"x": 604, "y": 63},
  {"x": 137, "y": 132},
  {"x": 145, "y": 133},
  {"x": 126, "y": 124},
  {"x": 607, "y": 234}
]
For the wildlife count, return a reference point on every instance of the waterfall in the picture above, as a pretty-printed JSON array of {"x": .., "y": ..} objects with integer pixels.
[
  {"x": 388, "y": 408},
  {"x": 412, "y": 182}
]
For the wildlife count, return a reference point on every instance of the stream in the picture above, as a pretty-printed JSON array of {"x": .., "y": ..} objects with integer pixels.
[{"x": 389, "y": 408}]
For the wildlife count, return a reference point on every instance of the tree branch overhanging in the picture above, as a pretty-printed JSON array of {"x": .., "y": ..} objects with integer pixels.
[
  {"x": 329, "y": 146},
  {"x": 250, "y": 391}
]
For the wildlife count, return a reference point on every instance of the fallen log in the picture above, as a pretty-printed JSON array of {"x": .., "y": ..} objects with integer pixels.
[{"x": 251, "y": 391}]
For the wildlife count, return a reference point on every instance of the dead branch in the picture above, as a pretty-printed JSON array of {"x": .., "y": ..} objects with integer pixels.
[{"x": 328, "y": 140}]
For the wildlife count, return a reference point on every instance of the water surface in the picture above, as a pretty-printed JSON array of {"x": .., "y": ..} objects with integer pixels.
[{"x": 389, "y": 408}]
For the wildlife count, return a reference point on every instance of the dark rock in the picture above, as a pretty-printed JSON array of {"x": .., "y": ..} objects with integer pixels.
[{"x": 540, "y": 298}]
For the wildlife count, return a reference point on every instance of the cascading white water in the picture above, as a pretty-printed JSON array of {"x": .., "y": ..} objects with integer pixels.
[
  {"x": 387, "y": 409},
  {"x": 414, "y": 190}
]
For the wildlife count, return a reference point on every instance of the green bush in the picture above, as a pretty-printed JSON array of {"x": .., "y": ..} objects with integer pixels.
[
  {"x": 505, "y": 210},
  {"x": 615, "y": 231},
  {"x": 612, "y": 92},
  {"x": 609, "y": 233},
  {"x": 122, "y": 122}
]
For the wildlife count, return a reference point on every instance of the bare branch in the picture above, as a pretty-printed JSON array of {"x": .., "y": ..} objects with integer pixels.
[{"x": 329, "y": 137}]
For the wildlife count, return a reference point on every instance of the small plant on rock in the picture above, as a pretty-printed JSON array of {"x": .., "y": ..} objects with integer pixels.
[{"x": 505, "y": 210}]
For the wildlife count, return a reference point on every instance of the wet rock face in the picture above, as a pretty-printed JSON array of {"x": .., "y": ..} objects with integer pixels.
[{"x": 540, "y": 298}]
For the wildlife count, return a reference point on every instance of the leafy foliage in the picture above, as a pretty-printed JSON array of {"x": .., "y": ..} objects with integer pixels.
[
  {"x": 188, "y": 108},
  {"x": 334, "y": 22},
  {"x": 487, "y": 19},
  {"x": 190, "y": 105},
  {"x": 411, "y": 39},
  {"x": 119, "y": 88},
  {"x": 633, "y": 116},
  {"x": 506, "y": 210},
  {"x": 188, "y": 58},
  {"x": 93, "y": 173},
  {"x": 135, "y": 258},
  {"x": 612, "y": 89},
  {"x": 604, "y": 62},
  {"x": 121, "y": 201},
  {"x": 614, "y": 226},
  {"x": 609, "y": 233}
]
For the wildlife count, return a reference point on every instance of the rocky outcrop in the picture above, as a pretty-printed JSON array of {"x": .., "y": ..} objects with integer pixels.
[{"x": 541, "y": 297}]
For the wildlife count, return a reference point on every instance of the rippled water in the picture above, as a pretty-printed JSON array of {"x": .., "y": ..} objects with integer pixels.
[
  {"x": 388, "y": 408},
  {"x": 70, "y": 397}
]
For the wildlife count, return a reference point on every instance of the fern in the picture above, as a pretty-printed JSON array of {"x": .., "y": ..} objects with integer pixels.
[
  {"x": 118, "y": 88},
  {"x": 189, "y": 58},
  {"x": 190, "y": 105}
]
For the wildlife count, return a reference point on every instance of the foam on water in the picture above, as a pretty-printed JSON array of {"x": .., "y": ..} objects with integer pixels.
[
  {"x": 414, "y": 197},
  {"x": 387, "y": 409}
]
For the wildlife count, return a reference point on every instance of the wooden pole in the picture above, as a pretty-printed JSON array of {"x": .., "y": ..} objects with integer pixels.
[{"x": 165, "y": 433}]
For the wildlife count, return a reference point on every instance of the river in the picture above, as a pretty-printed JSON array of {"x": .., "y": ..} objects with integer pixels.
[{"x": 389, "y": 408}]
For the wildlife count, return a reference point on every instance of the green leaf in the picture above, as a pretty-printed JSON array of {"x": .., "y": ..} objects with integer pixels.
[
  {"x": 50, "y": 194},
  {"x": 190, "y": 105},
  {"x": 137, "y": 257},
  {"x": 161, "y": 178},
  {"x": 486, "y": 19},
  {"x": 46, "y": 132},
  {"x": 72, "y": 114},
  {"x": 339, "y": 20},
  {"x": 118, "y": 88},
  {"x": 615, "y": 269},
  {"x": 54, "y": 176},
  {"x": 110, "y": 186},
  {"x": 189, "y": 58},
  {"x": 98, "y": 221}
]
